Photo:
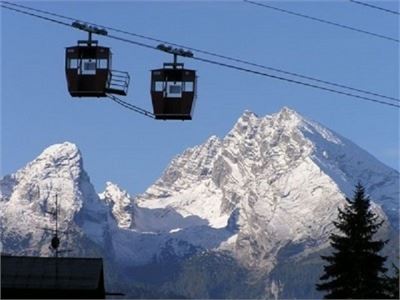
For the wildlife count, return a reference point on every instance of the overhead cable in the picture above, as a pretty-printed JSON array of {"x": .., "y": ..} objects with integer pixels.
[
  {"x": 294, "y": 81},
  {"x": 258, "y": 65},
  {"x": 142, "y": 111},
  {"x": 35, "y": 15},
  {"x": 322, "y": 21},
  {"x": 210, "y": 53},
  {"x": 375, "y": 7}
]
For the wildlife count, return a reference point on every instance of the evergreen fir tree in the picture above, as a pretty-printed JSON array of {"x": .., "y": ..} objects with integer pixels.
[
  {"x": 355, "y": 269},
  {"x": 392, "y": 284}
]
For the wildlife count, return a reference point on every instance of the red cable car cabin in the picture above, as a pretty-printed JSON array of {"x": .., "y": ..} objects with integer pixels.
[
  {"x": 89, "y": 74},
  {"x": 173, "y": 92}
]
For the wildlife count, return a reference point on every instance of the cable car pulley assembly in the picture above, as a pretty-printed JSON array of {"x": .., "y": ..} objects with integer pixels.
[{"x": 89, "y": 74}]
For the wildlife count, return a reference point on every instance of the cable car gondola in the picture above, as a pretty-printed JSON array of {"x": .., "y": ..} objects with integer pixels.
[
  {"x": 173, "y": 88},
  {"x": 88, "y": 68}
]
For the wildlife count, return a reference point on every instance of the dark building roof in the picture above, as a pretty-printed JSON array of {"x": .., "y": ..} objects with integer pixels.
[{"x": 50, "y": 276}]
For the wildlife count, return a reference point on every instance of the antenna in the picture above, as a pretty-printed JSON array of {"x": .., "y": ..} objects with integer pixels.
[{"x": 55, "y": 241}]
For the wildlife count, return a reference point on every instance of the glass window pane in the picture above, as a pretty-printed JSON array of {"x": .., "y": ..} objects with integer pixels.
[
  {"x": 102, "y": 64},
  {"x": 159, "y": 86},
  {"x": 189, "y": 86},
  {"x": 174, "y": 89},
  {"x": 72, "y": 64},
  {"x": 88, "y": 67}
]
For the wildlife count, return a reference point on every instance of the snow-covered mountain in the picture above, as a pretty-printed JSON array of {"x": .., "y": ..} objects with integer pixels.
[
  {"x": 280, "y": 177},
  {"x": 28, "y": 203},
  {"x": 268, "y": 190}
]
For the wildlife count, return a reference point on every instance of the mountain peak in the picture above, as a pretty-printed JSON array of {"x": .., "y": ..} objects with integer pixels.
[
  {"x": 287, "y": 114},
  {"x": 66, "y": 147},
  {"x": 58, "y": 170},
  {"x": 249, "y": 122},
  {"x": 120, "y": 202},
  {"x": 249, "y": 113},
  {"x": 265, "y": 194},
  {"x": 113, "y": 189},
  {"x": 247, "y": 117},
  {"x": 62, "y": 150},
  {"x": 246, "y": 122},
  {"x": 287, "y": 110}
]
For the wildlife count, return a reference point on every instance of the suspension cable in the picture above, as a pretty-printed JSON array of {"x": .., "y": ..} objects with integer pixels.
[
  {"x": 294, "y": 81},
  {"x": 144, "y": 112},
  {"x": 322, "y": 21},
  {"x": 209, "y": 53},
  {"x": 375, "y": 7}
]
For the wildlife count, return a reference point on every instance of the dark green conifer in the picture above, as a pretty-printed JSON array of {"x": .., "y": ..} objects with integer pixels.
[
  {"x": 392, "y": 284},
  {"x": 355, "y": 268}
]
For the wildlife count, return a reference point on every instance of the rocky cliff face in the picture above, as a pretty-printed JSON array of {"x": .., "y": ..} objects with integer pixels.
[
  {"x": 28, "y": 203},
  {"x": 282, "y": 176},
  {"x": 120, "y": 203},
  {"x": 267, "y": 191}
]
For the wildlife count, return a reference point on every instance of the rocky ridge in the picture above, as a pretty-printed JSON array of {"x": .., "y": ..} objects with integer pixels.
[{"x": 268, "y": 190}]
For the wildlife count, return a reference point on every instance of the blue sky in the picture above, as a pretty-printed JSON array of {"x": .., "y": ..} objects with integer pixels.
[{"x": 131, "y": 150}]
